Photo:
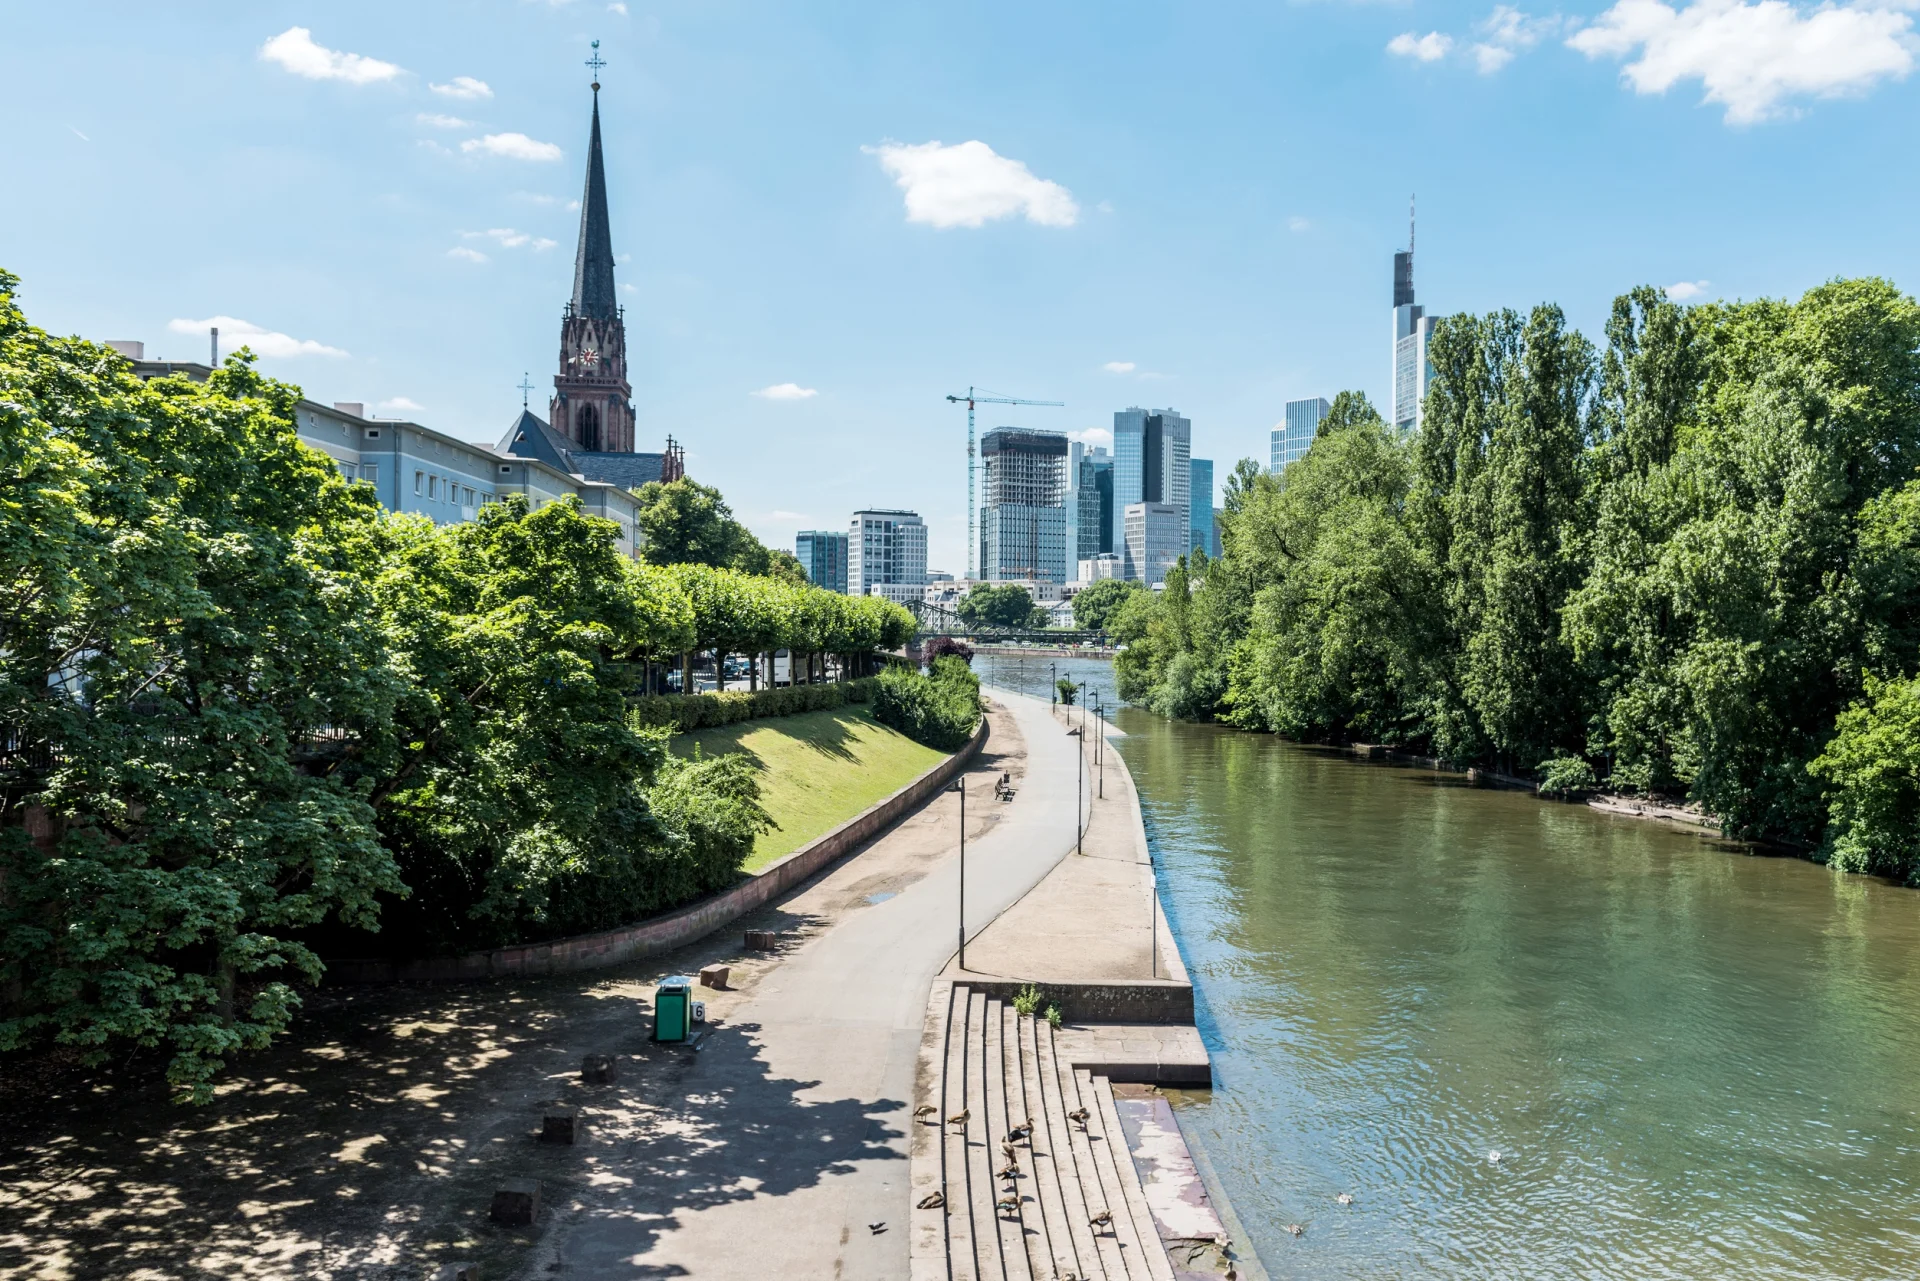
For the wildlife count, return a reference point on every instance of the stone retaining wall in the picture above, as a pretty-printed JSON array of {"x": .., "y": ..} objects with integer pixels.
[
  {"x": 676, "y": 928},
  {"x": 1101, "y": 1000}
]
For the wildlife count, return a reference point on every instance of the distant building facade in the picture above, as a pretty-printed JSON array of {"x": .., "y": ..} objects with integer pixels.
[
  {"x": 1023, "y": 507},
  {"x": 1095, "y": 568},
  {"x": 1156, "y": 533},
  {"x": 886, "y": 545},
  {"x": 1200, "y": 529},
  {"x": 1093, "y": 498},
  {"x": 1412, "y": 327},
  {"x": 823, "y": 554},
  {"x": 1151, "y": 452},
  {"x": 1299, "y": 423}
]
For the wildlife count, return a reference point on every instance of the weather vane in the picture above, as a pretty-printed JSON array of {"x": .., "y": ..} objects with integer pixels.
[
  {"x": 526, "y": 389},
  {"x": 596, "y": 62}
]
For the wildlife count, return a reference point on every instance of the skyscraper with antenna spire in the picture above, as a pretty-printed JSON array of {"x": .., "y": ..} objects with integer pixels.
[{"x": 1411, "y": 328}]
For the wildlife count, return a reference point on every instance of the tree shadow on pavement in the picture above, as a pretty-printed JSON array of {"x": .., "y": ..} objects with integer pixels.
[{"x": 371, "y": 1145}]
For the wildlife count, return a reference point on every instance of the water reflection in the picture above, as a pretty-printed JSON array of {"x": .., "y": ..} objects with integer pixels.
[{"x": 1694, "y": 1062}]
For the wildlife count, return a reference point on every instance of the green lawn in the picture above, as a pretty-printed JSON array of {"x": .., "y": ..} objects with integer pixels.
[{"x": 817, "y": 769}]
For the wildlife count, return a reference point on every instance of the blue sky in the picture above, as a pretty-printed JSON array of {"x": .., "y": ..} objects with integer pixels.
[{"x": 1189, "y": 205}]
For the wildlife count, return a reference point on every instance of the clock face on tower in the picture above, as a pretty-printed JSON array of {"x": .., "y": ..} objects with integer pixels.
[{"x": 588, "y": 357}]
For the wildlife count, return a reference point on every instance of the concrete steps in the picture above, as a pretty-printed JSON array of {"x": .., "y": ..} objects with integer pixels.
[{"x": 1004, "y": 1070}]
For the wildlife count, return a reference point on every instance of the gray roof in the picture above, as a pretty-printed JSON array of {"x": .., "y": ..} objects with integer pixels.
[{"x": 528, "y": 436}]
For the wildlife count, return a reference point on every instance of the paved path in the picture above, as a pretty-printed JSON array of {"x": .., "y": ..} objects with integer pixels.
[{"x": 815, "y": 1072}]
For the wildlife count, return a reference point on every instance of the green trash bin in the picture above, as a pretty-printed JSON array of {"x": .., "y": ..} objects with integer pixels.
[{"x": 673, "y": 1009}]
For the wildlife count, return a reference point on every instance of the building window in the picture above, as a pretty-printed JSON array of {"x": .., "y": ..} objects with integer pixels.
[
  {"x": 468, "y": 493},
  {"x": 370, "y": 472},
  {"x": 504, "y": 469},
  {"x": 346, "y": 469},
  {"x": 419, "y": 482},
  {"x": 373, "y": 433}
]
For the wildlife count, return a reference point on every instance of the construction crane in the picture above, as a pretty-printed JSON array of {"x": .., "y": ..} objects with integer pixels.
[{"x": 971, "y": 399}]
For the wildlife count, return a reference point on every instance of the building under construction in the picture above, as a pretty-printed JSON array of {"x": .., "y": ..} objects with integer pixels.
[{"x": 1023, "y": 506}]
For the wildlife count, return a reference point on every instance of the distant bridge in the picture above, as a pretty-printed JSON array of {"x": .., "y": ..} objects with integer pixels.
[{"x": 940, "y": 620}]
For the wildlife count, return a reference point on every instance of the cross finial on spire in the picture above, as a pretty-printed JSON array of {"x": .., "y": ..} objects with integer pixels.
[
  {"x": 596, "y": 62},
  {"x": 526, "y": 389}
]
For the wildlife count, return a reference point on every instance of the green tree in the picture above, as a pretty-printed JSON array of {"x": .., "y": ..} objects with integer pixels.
[
  {"x": 999, "y": 605},
  {"x": 1094, "y": 606},
  {"x": 187, "y": 622},
  {"x": 1871, "y": 769}
]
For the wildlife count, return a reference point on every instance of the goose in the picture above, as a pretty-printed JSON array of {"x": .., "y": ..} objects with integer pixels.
[
  {"x": 1345, "y": 1198},
  {"x": 1007, "y": 1204},
  {"x": 1079, "y": 1115},
  {"x": 1493, "y": 1157},
  {"x": 933, "y": 1200},
  {"x": 1296, "y": 1229},
  {"x": 960, "y": 1117},
  {"x": 925, "y": 1109},
  {"x": 1104, "y": 1219}
]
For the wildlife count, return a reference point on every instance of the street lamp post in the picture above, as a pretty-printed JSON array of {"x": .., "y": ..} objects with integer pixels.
[
  {"x": 1053, "y": 690},
  {"x": 1079, "y": 769},
  {"x": 1100, "y": 750},
  {"x": 960, "y": 786}
]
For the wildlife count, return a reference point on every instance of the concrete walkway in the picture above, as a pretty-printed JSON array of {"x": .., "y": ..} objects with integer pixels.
[{"x": 815, "y": 1070}]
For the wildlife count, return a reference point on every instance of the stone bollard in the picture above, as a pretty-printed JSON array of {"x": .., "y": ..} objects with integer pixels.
[
  {"x": 715, "y": 977},
  {"x": 762, "y": 940},
  {"x": 561, "y": 1124},
  {"x": 458, "y": 1272},
  {"x": 600, "y": 1069},
  {"x": 517, "y": 1203}
]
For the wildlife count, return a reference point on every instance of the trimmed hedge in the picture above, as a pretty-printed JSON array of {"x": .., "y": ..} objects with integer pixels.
[{"x": 685, "y": 712}]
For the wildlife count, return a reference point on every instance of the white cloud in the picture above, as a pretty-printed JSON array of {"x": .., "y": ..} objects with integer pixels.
[
  {"x": 1118, "y": 366},
  {"x": 1428, "y": 48},
  {"x": 510, "y": 238},
  {"x": 787, "y": 391},
  {"x": 1687, "y": 289},
  {"x": 295, "y": 50},
  {"x": 76, "y": 133},
  {"x": 465, "y": 254},
  {"x": 1297, "y": 223},
  {"x": 402, "y": 404},
  {"x": 1489, "y": 58},
  {"x": 626, "y": 288},
  {"x": 434, "y": 120},
  {"x": 235, "y": 334},
  {"x": 514, "y": 146},
  {"x": 617, "y": 7},
  {"x": 1105, "y": 206},
  {"x": 465, "y": 87},
  {"x": 1093, "y": 436},
  {"x": 970, "y": 184},
  {"x": 777, "y": 514},
  {"x": 1751, "y": 57}
]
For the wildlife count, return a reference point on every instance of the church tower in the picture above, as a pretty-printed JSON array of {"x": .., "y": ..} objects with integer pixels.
[{"x": 592, "y": 405}]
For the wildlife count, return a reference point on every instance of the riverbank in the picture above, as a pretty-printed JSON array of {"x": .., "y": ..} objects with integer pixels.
[{"x": 1100, "y": 1184}]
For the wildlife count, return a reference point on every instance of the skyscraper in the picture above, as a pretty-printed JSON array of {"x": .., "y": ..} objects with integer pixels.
[
  {"x": 1154, "y": 532},
  {"x": 823, "y": 554},
  {"x": 1023, "y": 507},
  {"x": 1151, "y": 450},
  {"x": 1200, "y": 507},
  {"x": 885, "y": 545},
  {"x": 1298, "y": 426},
  {"x": 1095, "y": 496},
  {"x": 1411, "y": 328}
]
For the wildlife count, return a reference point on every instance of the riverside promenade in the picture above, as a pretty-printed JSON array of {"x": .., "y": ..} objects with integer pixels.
[{"x": 838, "y": 1023}]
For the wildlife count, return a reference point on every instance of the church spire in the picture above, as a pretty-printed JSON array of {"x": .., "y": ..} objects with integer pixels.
[{"x": 593, "y": 264}]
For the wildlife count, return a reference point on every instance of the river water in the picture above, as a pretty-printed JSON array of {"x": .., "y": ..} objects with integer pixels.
[{"x": 1692, "y": 1060}]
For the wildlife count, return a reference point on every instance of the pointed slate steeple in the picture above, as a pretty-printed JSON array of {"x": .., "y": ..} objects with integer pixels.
[
  {"x": 593, "y": 264},
  {"x": 592, "y": 405}
]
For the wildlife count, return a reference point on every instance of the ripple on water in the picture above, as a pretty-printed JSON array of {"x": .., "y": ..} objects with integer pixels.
[{"x": 1695, "y": 1062}]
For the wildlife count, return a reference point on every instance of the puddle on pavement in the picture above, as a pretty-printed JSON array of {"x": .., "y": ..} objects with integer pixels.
[{"x": 882, "y": 896}]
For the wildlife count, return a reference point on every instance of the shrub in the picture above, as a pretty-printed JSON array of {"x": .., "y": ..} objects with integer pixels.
[
  {"x": 1567, "y": 778},
  {"x": 683, "y": 713},
  {"x": 1067, "y": 691},
  {"x": 1027, "y": 1001},
  {"x": 948, "y": 647},
  {"x": 1053, "y": 1016},
  {"x": 939, "y": 709}
]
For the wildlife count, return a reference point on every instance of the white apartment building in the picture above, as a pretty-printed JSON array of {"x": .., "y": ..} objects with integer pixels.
[{"x": 886, "y": 546}]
